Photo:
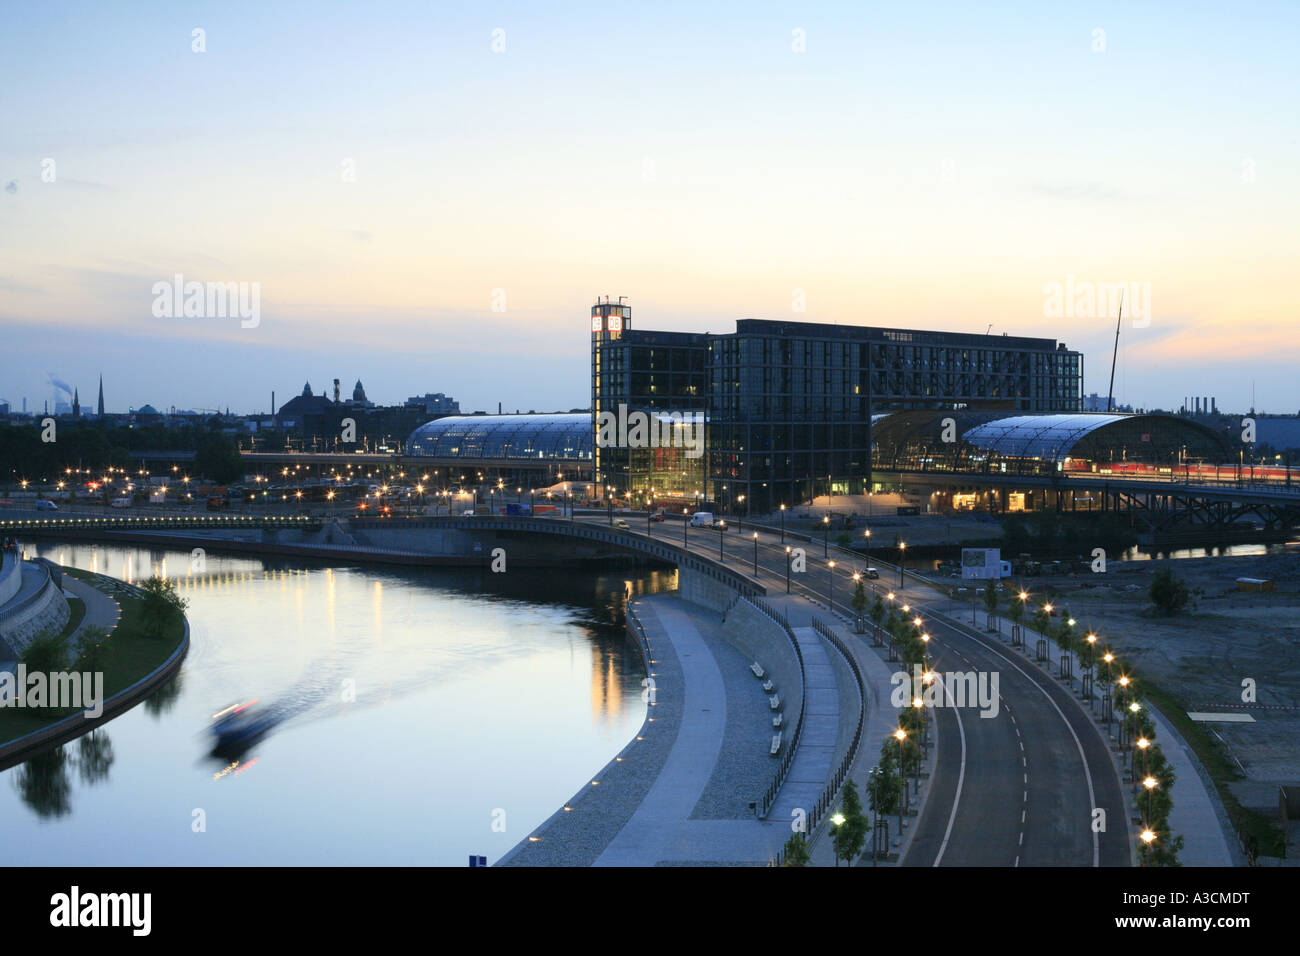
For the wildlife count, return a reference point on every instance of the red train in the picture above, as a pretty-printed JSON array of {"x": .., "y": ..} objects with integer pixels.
[{"x": 1190, "y": 471}]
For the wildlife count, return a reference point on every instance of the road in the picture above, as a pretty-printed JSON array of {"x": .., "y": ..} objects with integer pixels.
[{"x": 1015, "y": 789}]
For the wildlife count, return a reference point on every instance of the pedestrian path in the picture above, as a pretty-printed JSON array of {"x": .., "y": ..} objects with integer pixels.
[{"x": 812, "y": 763}]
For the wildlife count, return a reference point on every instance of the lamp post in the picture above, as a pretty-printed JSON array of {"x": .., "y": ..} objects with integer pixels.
[
  {"x": 787, "y": 569},
  {"x": 722, "y": 527},
  {"x": 867, "y": 535},
  {"x": 902, "y": 562},
  {"x": 901, "y": 735},
  {"x": 783, "y": 524},
  {"x": 830, "y": 587},
  {"x": 755, "y": 554},
  {"x": 826, "y": 539}
]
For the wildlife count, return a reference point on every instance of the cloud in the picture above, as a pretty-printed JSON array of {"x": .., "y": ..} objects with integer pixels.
[{"x": 11, "y": 186}]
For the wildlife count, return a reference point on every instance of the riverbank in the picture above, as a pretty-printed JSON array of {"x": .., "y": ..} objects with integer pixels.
[{"x": 134, "y": 665}]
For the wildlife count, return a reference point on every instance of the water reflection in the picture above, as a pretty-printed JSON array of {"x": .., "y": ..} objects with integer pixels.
[{"x": 445, "y": 694}]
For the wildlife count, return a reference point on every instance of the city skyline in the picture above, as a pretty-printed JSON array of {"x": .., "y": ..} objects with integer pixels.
[{"x": 453, "y": 178}]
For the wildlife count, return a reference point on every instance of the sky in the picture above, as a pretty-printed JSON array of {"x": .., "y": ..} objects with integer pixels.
[{"x": 429, "y": 196}]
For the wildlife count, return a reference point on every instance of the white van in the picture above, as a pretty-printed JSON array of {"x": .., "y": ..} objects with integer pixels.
[
  {"x": 702, "y": 519},
  {"x": 121, "y": 502}
]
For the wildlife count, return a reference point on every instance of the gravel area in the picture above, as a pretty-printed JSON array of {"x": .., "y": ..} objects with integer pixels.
[{"x": 745, "y": 768}]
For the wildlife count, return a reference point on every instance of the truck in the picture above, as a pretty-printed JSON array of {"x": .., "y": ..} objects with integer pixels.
[
  {"x": 981, "y": 564},
  {"x": 518, "y": 510},
  {"x": 702, "y": 519}
]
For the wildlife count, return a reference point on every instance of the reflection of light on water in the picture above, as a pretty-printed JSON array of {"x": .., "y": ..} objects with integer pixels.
[{"x": 606, "y": 694}]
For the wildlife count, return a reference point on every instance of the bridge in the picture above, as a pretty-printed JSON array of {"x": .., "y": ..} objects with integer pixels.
[{"x": 1157, "y": 505}]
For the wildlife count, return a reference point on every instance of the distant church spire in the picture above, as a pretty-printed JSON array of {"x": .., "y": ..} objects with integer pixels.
[
  {"x": 100, "y": 412},
  {"x": 76, "y": 404}
]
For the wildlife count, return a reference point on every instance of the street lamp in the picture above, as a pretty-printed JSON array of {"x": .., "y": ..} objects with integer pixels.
[
  {"x": 867, "y": 535},
  {"x": 826, "y": 539},
  {"x": 755, "y": 554},
  {"x": 783, "y": 524},
  {"x": 722, "y": 526},
  {"x": 902, "y": 562},
  {"x": 787, "y": 569},
  {"x": 901, "y": 735},
  {"x": 830, "y": 588}
]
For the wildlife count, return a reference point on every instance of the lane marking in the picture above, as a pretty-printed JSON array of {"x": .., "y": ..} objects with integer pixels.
[
  {"x": 961, "y": 778},
  {"x": 1087, "y": 770}
]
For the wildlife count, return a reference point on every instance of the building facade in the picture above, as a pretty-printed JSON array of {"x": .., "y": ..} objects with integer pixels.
[{"x": 789, "y": 405}]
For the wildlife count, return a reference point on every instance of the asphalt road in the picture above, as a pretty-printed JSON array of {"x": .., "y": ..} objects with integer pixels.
[{"x": 1015, "y": 789}]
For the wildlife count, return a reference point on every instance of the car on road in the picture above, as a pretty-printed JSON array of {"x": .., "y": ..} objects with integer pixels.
[
  {"x": 659, "y": 516},
  {"x": 620, "y": 523},
  {"x": 871, "y": 573},
  {"x": 44, "y": 504}
]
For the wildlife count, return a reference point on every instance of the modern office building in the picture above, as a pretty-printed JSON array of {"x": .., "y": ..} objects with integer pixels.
[{"x": 789, "y": 405}]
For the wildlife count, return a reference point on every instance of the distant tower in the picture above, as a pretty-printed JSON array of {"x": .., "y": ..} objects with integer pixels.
[
  {"x": 99, "y": 412},
  {"x": 358, "y": 393},
  {"x": 336, "y": 391},
  {"x": 306, "y": 390},
  {"x": 76, "y": 404}
]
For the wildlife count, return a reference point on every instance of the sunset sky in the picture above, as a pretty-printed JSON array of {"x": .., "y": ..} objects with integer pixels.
[{"x": 380, "y": 171}]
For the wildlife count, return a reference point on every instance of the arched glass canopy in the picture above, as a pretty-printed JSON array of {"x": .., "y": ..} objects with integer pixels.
[{"x": 505, "y": 438}]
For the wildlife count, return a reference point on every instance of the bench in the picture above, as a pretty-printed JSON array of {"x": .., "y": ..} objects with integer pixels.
[
  {"x": 777, "y": 721},
  {"x": 774, "y": 702},
  {"x": 776, "y": 745},
  {"x": 768, "y": 685},
  {"x": 758, "y": 670}
]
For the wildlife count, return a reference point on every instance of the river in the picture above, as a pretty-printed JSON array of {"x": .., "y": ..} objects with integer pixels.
[{"x": 432, "y": 715}]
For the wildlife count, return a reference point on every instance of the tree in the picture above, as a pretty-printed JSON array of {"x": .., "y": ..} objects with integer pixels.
[
  {"x": 218, "y": 458},
  {"x": 859, "y": 605},
  {"x": 851, "y": 835},
  {"x": 796, "y": 851},
  {"x": 1168, "y": 593},
  {"x": 92, "y": 650},
  {"x": 162, "y": 608},
  {"x": 877, "y": 611},
  {"x": 46, "y": 652}
]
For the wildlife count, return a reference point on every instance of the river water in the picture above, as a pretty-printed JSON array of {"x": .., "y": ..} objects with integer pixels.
[{"x": 430, "y": 715}]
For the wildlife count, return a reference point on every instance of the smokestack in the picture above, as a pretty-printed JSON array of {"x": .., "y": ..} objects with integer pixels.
[
  {"x": 498, "y": 408},
  {"x": 272, "y": 403},
  {"x": 1214, "y": 405}
]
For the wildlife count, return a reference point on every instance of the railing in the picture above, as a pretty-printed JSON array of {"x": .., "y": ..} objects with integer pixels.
[
  {"x": 842, "y": 771},
  {"x": 769, "y": 796},
  {"x": 147, "y": 523}
]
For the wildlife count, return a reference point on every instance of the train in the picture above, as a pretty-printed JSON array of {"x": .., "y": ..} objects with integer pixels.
[{"x": 1189, "y": 472}]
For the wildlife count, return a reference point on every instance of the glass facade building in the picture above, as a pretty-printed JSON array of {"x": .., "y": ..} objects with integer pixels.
[
  {"x": 971, "y": 443},
  {"x": 528, "y": 447},
  {"x": 789, "y": 405}
]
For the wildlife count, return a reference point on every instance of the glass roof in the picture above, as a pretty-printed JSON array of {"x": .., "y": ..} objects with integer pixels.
[
  {"x": 1037, "y": 436},
  {"x": 521, "y": 437}
]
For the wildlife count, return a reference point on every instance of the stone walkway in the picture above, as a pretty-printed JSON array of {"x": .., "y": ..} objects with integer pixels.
[{"x": 813, "y": 761}]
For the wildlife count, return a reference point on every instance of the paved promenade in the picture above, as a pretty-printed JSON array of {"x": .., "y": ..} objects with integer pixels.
[{"x": 687, "y": 804}]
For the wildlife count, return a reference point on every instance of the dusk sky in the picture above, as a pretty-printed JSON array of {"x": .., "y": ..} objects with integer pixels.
[{"x": 385, "y": 177}]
